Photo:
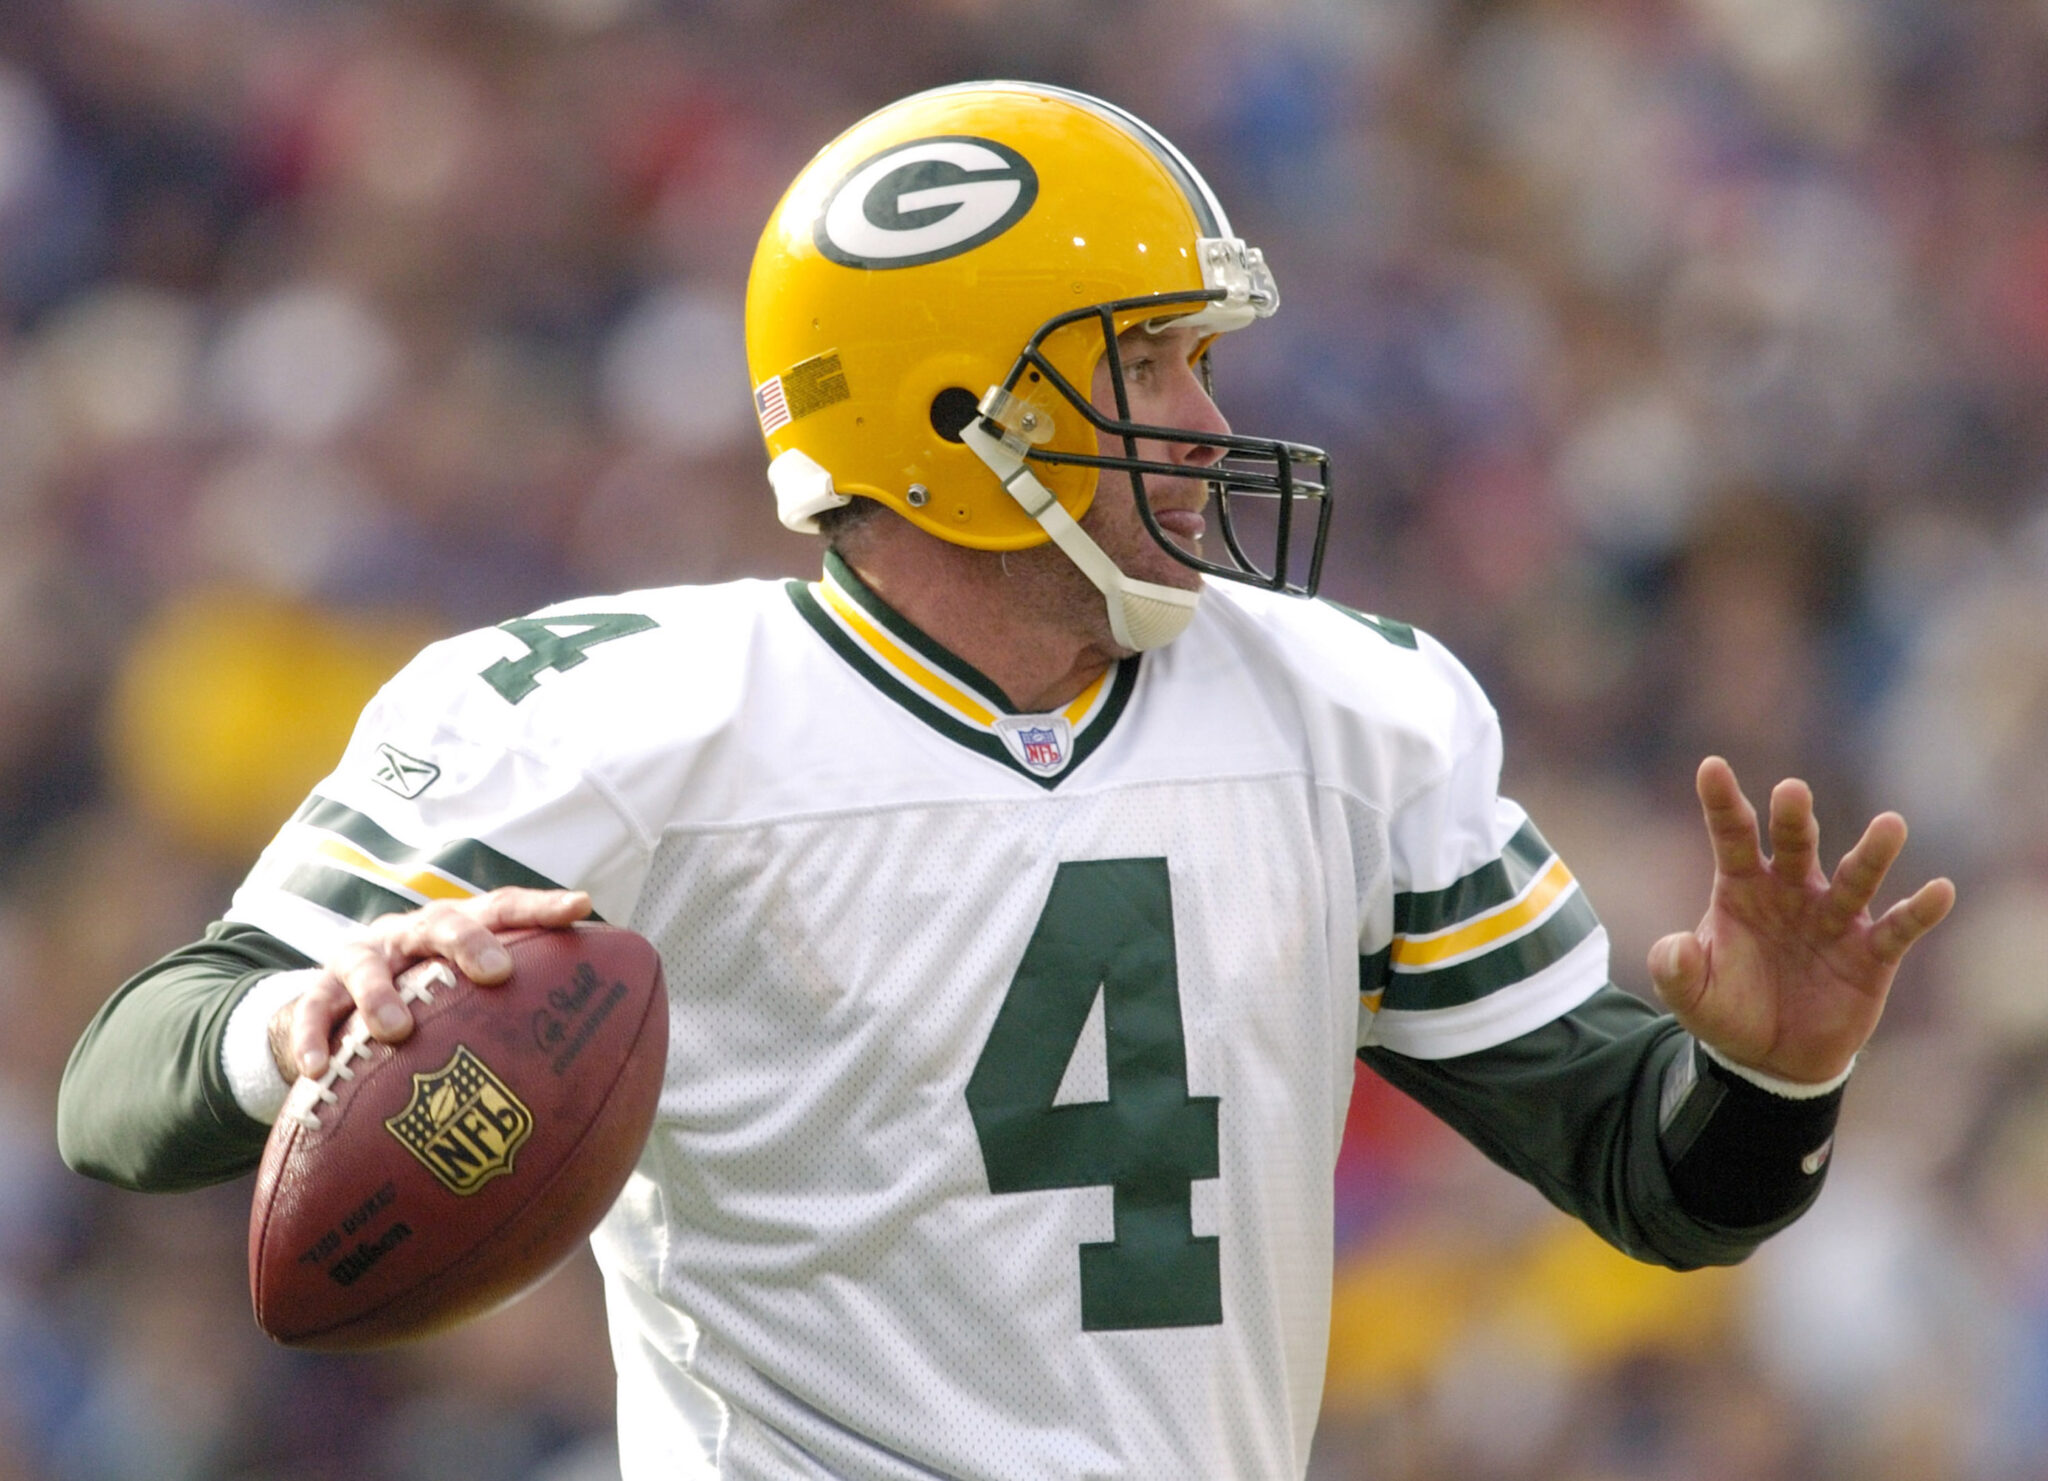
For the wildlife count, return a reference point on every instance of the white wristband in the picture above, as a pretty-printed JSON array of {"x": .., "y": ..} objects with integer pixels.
[
  {"x": 245, "y": 1056},
  {"x": 1789, "y": 1089}
]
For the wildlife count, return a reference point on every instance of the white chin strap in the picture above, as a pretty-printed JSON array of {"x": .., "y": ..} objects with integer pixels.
[{"x": 1142, "y": 614}]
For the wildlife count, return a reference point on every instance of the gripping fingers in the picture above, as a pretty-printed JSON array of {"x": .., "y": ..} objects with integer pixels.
[
  {"x": 365, "y": 968},
  {"x": 512, "y": 908},
  {"x": 1731, "y": 821},
  {"x": 314, "y": 1018},
  {"x": 451, "y": 931},
  {"x": 361, "y": 974},
  {"x": 464, "y": 932}
]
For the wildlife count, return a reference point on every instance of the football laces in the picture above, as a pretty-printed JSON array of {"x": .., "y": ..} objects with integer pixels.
[{"x": 415, "y": 985}]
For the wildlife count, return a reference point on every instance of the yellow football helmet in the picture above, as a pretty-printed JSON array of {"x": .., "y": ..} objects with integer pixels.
[{"x": 929, "y": 303}]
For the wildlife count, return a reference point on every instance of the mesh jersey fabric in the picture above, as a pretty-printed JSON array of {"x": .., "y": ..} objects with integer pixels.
[{"x": 876, "y": 896}]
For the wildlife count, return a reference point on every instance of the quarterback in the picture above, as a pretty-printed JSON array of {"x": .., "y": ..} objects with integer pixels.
[{"x": 1025, "y": 884}]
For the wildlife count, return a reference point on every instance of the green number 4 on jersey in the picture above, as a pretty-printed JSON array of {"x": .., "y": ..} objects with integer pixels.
[
  {"x": 1107, "y": 925},
  {"x": 556, "y": 643}
]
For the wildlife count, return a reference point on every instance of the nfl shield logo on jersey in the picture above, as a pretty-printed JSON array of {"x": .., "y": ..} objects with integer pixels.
[
  {"x": 1044, "y": 743},
  {"x": 1041, "y": 749}
]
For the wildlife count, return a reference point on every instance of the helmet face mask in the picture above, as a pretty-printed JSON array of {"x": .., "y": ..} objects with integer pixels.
[
  {"x": 1275, "y": 477},
  {"x": 930, "y": 302}
]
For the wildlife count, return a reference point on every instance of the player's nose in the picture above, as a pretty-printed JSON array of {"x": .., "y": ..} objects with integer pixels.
[{"x": 1195, "y": 409}]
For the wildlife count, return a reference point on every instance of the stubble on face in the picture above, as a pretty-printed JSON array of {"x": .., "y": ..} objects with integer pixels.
[
  {"x": 1115, "y": 524},
  {"x": 1046, "y": 579}
]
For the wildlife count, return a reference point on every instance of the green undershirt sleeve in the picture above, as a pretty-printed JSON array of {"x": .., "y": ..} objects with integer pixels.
[
  {"x": 144, "y": 1102},
  {"x": 1574, "y": 1108}
]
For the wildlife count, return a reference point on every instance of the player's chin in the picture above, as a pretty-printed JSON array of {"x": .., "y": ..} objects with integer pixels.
[
  {"x": 1163, "y": 570},
  {"x": 1181, "y": 532}
]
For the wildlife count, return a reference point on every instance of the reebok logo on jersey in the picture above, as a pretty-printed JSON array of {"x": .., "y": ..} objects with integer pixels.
[
  {"x": 925, "y": 201},
  {"x": 408, "y": 776}
]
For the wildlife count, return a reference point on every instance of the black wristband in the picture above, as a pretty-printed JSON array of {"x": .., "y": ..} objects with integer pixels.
[{"x": 1740, "y": 1156}]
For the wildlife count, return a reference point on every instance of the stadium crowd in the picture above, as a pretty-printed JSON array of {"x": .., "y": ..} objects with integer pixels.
[{"x": 1683, "y": 364}]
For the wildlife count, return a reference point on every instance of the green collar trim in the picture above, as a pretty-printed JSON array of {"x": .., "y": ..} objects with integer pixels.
[
  {"x": 951, "y": 696},
  {"x": 840, "y": 574}
]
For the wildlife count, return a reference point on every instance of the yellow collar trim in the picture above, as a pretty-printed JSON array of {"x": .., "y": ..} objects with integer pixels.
[
  {"x": 905, "y": 663},
  {"x": 921, "y": 675}
]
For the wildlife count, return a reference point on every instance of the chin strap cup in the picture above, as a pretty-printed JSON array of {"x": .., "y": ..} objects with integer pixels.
[
  {"x": 803, "y": 491},
  {"x": 1142, "y": 614}
]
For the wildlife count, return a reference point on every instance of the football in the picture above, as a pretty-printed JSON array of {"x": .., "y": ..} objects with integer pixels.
[{"x": 414, "y": 1186}]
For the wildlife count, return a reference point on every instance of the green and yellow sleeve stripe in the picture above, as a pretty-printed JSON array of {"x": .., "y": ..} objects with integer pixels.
[
  {"x": 353, "y": 867},
  {"x": 1502, "y": 923}
]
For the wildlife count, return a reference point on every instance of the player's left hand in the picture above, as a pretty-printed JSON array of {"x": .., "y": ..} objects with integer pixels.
[{"x": 1788, "y": 973}]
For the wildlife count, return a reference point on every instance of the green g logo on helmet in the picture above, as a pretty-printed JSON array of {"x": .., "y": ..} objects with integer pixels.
[{"x": 925, "y": 201}]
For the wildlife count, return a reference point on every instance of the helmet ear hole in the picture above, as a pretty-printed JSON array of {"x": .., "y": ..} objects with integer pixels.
[{"x": 952, "y": 409}]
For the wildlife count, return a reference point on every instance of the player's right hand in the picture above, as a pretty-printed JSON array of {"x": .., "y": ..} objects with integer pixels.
[{"x": 360, "y": 975}]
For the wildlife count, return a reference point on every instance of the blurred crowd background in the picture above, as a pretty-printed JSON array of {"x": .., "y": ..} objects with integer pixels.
[{"x": 1683, "y": 364}]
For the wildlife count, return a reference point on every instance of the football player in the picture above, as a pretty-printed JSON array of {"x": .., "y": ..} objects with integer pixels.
[{"x": 1025, "y": 884}]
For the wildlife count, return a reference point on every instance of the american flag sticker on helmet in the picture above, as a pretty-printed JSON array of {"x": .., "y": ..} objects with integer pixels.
[
  {"x": 807, "y": 386},
  {"x": 770, "y": 406}
]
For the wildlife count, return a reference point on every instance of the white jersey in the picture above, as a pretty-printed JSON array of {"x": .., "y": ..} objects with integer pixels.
[{"x": 1009, "y": 1055}]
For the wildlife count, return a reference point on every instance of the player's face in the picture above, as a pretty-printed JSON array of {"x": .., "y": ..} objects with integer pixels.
[{"x": 1164, "y": 388}]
